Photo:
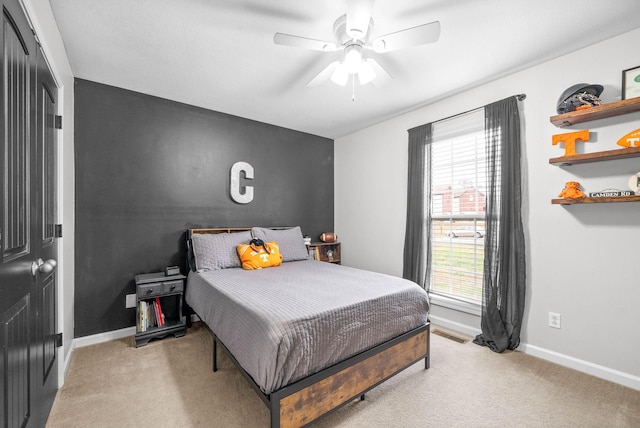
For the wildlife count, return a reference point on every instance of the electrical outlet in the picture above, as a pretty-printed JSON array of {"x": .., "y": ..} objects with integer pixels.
[
  {"x": 554, "y": 320},
  {"x": 130, "y": 301}
]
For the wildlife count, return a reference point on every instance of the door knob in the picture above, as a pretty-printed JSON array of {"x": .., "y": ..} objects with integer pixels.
[
  {"x": 48, "y": 266},
  {"x": 43, "y": 267}
]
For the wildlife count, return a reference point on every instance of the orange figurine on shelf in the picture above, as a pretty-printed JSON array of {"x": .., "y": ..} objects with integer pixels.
[{"x": 571, "y": 190}]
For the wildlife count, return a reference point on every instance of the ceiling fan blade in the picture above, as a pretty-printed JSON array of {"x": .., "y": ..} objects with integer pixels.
[
  {"x": 358, "y": 18},
  {"x": 414, "y": 36},
  {"x": 382, "y": 77},
  {"x": 304, "y": 42},
  {"x": 324, "y": 75}
]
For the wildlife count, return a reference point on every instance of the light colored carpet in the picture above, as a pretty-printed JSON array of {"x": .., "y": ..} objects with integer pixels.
[{"x": 169, "y": 383}]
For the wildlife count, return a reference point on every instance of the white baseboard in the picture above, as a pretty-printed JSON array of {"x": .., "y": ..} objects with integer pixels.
[
  {"x": 67, "y": 361},
  {"x": 79, "y": 342},
  {"x": 602, "y": 372}
]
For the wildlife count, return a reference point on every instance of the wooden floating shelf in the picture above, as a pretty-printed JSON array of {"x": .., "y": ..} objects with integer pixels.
[
  {"x": 629, "y": 152},
  {"x": 598, "y": 112},
  {"x": 635, "y": 198}
]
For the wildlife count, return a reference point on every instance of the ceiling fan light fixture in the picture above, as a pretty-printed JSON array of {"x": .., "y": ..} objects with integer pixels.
[
  {"x": 366, "y": 73},
  {"x": 353, "y": 58},
  {"x": 340, "y": 75}
]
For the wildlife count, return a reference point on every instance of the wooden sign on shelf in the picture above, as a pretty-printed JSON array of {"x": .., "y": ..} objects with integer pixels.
[
  {"x": 570, "y": 139},
  {"x": 610, "y": 193},
  {"x": 632, "y": 138}
]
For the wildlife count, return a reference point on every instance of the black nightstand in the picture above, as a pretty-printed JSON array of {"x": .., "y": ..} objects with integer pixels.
[{"x": 159, "y": 306}]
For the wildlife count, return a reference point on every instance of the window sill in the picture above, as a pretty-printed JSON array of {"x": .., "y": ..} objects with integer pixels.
[{"x": 458, "y": 305}]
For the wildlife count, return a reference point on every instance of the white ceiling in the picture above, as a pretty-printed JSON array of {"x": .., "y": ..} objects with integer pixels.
[{"x": 220, "y": 55}]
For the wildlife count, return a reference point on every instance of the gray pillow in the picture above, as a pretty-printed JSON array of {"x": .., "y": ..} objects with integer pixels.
[
  {"x": 290, "y": 241},
  {"x": 215, "y": 251}
]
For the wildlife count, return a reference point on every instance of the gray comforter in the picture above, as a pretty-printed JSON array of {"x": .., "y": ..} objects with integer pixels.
[{"x": 287, "y": 322}]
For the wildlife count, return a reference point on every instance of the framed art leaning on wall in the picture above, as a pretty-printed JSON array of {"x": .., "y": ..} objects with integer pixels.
[{"x": 631, "y": 83}]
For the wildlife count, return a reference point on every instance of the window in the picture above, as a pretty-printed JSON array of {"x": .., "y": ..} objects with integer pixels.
[
  {"x": 464, "y": 238},
  {"x": 457, "y": 174}
]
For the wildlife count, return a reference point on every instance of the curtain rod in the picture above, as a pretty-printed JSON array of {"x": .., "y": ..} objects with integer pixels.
[{"x": 519, "y": 97}]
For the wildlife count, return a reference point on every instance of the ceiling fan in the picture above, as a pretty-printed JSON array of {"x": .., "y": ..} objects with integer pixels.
[{"x": 354, "y": 35}]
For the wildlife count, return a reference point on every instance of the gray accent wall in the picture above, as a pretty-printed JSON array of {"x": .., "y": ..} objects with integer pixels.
[{"x": 147, "y": 169}]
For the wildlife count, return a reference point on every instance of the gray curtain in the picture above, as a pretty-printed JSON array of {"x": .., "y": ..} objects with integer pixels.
[
  {"x": 417, "y": 244},
  {"x": 504, "y": 262}
]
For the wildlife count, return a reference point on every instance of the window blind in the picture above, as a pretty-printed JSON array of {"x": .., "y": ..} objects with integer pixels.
[{"x": 458, "y": 180}]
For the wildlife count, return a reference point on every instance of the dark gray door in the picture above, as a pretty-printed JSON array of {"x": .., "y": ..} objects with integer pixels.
[
  {"x": 27, "y": 283},
  {"x": 44, "y": 237}
]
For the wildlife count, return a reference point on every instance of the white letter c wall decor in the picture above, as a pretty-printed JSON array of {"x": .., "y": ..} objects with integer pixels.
[{"x": 236, "y": 195}]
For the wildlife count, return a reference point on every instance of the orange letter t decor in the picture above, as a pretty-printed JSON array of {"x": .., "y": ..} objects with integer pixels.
[{"x": 570, "y": 139}]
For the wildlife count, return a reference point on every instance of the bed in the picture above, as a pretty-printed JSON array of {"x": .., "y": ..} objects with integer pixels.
[{"x": 308, "y": 336}]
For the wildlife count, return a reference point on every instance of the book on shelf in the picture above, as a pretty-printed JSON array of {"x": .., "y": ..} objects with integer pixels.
[
  {"x": 141, "y": 326},
  {"x": 314, "y": 253},
  {"x": 144, "y": 315},
  {"x": 153, "y": 315},
  {"x": 150, "y": 314},
  {"x": 160, "y": 314}
]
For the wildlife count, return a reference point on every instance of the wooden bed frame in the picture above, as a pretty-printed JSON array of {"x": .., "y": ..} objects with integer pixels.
[{"x": 306, "y": 400}]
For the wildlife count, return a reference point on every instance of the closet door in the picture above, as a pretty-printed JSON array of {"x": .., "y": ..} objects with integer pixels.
[
  {"x": 44, "y": 238},
  {"x": 27, "y": 283}
]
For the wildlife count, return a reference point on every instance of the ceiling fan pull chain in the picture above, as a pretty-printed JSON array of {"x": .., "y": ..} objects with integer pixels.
[{"x": 353, "y": 87}]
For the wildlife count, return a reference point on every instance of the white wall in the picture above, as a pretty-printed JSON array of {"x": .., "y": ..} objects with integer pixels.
[
  {"x": 42, "y": 19},
  {"x": 582, "y": 260}
]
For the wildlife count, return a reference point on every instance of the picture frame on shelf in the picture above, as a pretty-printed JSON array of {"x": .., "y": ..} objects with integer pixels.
[{"x": 631, "y": 83}]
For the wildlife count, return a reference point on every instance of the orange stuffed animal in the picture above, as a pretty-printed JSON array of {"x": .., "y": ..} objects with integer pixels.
[{"x": 571, "y": 190}]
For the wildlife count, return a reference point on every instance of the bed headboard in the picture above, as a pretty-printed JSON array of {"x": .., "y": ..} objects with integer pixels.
[{"x": 191, "y": 232}]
